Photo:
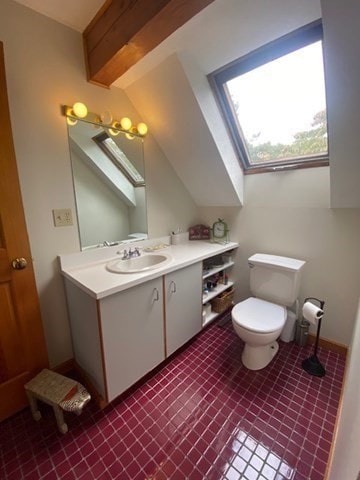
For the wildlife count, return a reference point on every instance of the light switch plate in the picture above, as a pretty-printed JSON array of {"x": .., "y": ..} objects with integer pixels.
[{"x": 62, "y": 217}]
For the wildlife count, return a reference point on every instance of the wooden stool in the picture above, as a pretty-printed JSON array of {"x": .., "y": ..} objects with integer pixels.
[{"x": 60, "y": 392}]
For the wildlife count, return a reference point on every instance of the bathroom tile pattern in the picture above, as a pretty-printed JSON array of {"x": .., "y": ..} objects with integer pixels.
[{"x": 201, "y": 416}]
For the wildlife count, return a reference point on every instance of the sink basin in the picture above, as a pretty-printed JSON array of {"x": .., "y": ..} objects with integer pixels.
[{"x": 139, "y": 264}]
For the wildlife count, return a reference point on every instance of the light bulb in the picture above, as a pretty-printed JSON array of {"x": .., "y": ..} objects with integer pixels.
[
  {"x": 142, "y": 128},
  {"x": 131, "y": 135},
  {"x": 80, "y": 110},
  {"x": 125, "y": 123},
  {"x": 115, "y": 132},
  {"x": 71, "y": 121}
]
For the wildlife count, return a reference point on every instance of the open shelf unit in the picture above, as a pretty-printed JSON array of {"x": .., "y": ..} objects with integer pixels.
[
  {"x": 220, "y": 268},
  {"x": 214, "y": 293},
  {"x": 219, "y": 288}
]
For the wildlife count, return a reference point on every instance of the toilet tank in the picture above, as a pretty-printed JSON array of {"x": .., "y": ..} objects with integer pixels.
[{"x": 275, "y": 278}]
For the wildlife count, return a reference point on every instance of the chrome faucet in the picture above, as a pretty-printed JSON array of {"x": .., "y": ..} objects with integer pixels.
[
  {"x": 109, "y": 244},
  {"x": 131, "y": 253}
]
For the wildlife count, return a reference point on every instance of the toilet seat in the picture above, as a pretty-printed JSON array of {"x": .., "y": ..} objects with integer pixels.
[{"x": 259, "y": 315}]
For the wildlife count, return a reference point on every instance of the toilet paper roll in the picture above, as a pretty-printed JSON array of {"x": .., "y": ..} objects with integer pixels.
[{"x": 311, "y": 312}]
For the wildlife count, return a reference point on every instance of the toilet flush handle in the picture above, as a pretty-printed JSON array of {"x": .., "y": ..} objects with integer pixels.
[{"x": 251, "y": 265}]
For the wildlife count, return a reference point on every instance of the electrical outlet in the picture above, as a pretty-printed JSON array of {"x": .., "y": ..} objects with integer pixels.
[{"x": 62, "y": 217}]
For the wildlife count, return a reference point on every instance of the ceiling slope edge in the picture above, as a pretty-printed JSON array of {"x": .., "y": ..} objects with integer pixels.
[{"x": 212, "y": 116}]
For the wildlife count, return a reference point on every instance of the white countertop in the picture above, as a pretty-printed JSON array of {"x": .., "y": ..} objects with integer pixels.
[{"x": 88, "y": 269}]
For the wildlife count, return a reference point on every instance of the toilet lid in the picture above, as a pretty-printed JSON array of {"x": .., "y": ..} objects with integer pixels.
[{"x": 259, "y": 315}]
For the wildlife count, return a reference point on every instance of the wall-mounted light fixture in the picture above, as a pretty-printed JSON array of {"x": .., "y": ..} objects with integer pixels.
[{"x": 79, "y": 111}]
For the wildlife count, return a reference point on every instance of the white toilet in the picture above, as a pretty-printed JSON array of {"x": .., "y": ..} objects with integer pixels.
[{"x": 259, "y": 320}]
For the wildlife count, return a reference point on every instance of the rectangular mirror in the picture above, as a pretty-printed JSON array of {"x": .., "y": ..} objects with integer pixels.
[{"x": 109, "y": 184}]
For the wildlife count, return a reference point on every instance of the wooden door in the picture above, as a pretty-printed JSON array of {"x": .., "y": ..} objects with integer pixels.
[{"x": 22, "y": 344}]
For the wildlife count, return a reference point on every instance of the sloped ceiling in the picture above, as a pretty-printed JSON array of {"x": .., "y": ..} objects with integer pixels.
[
  {"x": 169, "y": 105},
  {"x": 169, "y": 88},
  {"x": 225, "y": 30},
  {"x": 76, "y": 14}
]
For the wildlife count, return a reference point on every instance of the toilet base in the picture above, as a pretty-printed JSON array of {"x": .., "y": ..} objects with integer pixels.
[{"x": 256, "y": 358}]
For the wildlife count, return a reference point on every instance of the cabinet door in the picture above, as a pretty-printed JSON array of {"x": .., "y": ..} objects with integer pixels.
[
  {"x": 132, "y": 334},
  {"x": 183, "y": 295}
]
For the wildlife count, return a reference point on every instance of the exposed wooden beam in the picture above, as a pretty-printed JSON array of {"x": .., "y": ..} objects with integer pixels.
[{"x": 124, "y": 31}]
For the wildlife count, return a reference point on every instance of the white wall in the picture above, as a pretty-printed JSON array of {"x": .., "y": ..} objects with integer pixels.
[
  {"x": 102, "y": 214},
  {"x": 137, "y": 215},
  {"x": 345, "y": 461},
  {"x": 342, "y": 71},
  {"x": 287, "y": 213},
  {"x": 45, "y": 69}
]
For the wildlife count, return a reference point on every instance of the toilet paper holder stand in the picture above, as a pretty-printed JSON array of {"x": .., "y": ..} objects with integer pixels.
[{"x": 312, "y": 365}]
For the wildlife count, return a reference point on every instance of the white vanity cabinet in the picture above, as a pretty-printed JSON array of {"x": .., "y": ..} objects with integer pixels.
[
  {"x": 183, "y": 306},
  {"x": 119, "y": 338},
  {"x": 132, "y": 334},
  {"x": 124, "y": 326}
]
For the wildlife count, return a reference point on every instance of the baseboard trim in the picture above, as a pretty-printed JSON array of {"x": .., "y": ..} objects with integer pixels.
[
  {"x": 337, "y": 421},
  {"x": 71, "y": 366},
  {"x": 65, "y": 367},
  {"x": 329, "y": 344},
  {"x": 84, "y": 379}
]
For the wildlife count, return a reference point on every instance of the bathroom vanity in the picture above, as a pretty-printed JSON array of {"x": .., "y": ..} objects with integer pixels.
[{"x": 125, "y": 324}]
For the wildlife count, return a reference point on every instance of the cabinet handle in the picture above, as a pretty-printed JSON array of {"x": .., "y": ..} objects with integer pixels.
[
  {"x": 172, "y": 286},
  {"x": 156, "y": 294}
]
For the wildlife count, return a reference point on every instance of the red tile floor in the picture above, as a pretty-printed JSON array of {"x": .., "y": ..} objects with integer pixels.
[{"x": 201, "y": 416}]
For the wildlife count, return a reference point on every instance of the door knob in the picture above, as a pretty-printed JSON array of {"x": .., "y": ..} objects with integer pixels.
[{"x": 19, "y": 263}]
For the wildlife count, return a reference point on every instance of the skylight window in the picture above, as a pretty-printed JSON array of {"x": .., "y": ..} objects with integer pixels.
[
  {"x": 119, "y": 158},
  {"x": 274, "y": 103}
]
